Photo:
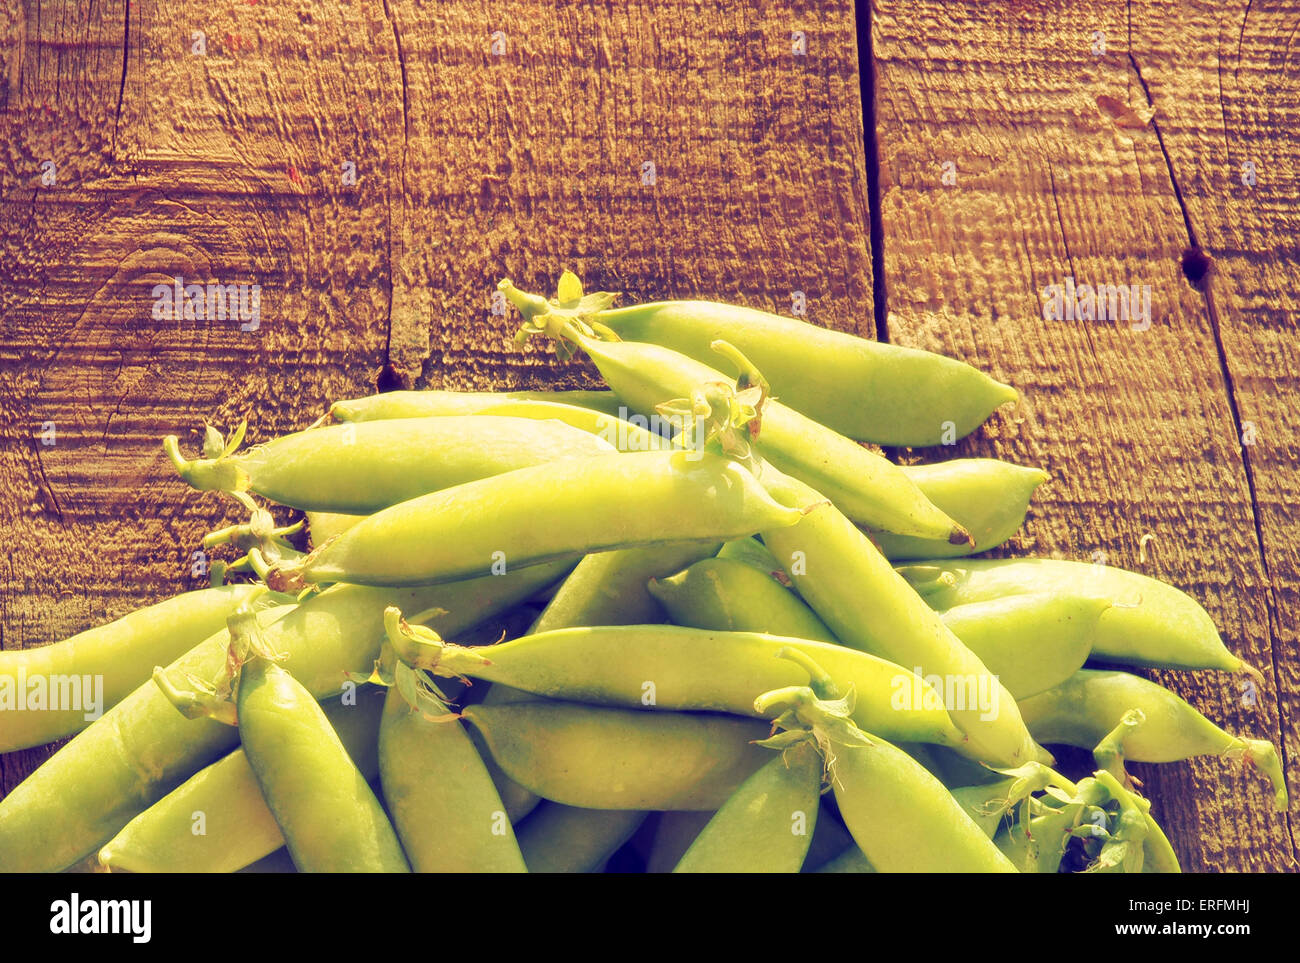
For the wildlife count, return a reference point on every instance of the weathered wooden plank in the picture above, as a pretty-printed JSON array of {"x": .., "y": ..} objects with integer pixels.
[
  {"x": 1229, "y": 117},
  {"x": 226, "y": 166},
  {"x": 1135, "y": 425}
]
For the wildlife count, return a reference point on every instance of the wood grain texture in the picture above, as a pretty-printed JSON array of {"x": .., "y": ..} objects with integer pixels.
[
  {"x": 227, "y": 166},
  {"x": 1138, "y": 428}
]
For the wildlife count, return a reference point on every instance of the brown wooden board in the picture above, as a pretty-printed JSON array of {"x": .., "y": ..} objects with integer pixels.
[{"x": 1056, "y": 175}]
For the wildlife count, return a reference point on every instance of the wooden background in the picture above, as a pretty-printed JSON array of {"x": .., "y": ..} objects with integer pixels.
[{"x": 226, "y": 165}]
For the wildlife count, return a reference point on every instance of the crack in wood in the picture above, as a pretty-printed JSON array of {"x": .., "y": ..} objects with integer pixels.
[
  {"x": 126, "y": 51},
  {"x": 1205, "y": 286},
  {"x": 871, "y": 137}
]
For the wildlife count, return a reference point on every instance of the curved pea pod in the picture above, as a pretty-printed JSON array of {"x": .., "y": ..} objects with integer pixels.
[
  {"x": 882, "y": 393},
  {"x": 902, "y": 818},
  {"x": 866, "y": 486},
  {"x": 1030, "y": 642},
  {"x": 728, "y": 595},
  {"x": 565, "y": 839},
  {"x": 987, "y": 497},
  {"x": 361, "y": 468},
  {"x": 143, "y": 747},
  {"x": 422, "y": 404},
  {"x": 676, "y": 668},
  {"x": 767, "y": 824},
  {"x": 443, "y": 803},
  {"x": 555, "y": 511},
  {"x": 331, "y": 819},
  {"x": 53, "y": 691},
  {"x": 601, "y": 758},
  {"x": 853, "y": 589},
  {"x": 1150, "y": 623},
  {"x": 1090, "y": 708},
  {"x": 610, "y": 588},
  {"x": 217, "y": 821}
]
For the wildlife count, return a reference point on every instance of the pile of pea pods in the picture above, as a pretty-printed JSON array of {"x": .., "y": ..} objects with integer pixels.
[{"x": 688, "y": 623}]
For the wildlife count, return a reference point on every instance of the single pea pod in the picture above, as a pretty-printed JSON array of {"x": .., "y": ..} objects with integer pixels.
[
  {"x": 624, "y": 430},
  {"x": 446, "y": 810},
  {"x": 217, "y": 821},
  {"x": 331, "y": 819},
  {"x": 866, "y": 486},
  {"x": 987, "y": 497},
  {"x": 601, "y": 758},
  {"x": 727, "y": 595},
  {"x": 422, "y": 404},
  {"x": 322, "y": 526},
  {"x": 361, "y": 468},
  {"x": 868, "y": 606},
  {"x": 903, "y": 819},
  {"x": 882, "y": 393},
  {"x": 767, "y": 824},
  {"x": 675, "y": 668},
  {"x": 1091, "y": 706},
  {"x": 565, "y": 839},
  {"x": 1030, "y": 642},
  {"x": 143, "y": 748},
  {"x": 53, "y": 691},
  {"x": 561, "y": 510},
  {"x": 606, "y": 588},
  {"x": 1149, "y": 624},
  {"x": 610, "y": 588}
]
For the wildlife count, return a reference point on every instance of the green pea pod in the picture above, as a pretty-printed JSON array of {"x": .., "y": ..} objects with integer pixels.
[
  {"x": 902, "y": 818},
  {"x": 565, "y": 839},
  {"x": 609, "y": 588},
  {"x": 446, "y": 810},
  {"x": 606, "y": 588},
  {"x": 756, "y": 555},
  {"x": 217, "y": 820},
  {"x": 55, "y": 690},
  {"x": 361, "y": 468},
  {"x": 987, "y": 497},
  {"x": 882, "y": 393},
  {"x": 601, "y": 758},
  {"x": 1088, "y": 707},
  {"x": 331, "y": 820},
  {"x": 1150, "y": 623},
  {"x": 143, "y": 747},
  {"x": 422, "y": 404},
  {"x": 1030, "y": 642},
  {"x": 728, "y": 595},
  {"x": 767, "y": 824},
  {"x": 623, "y": 430},
  {"x": 851, "y": 586},
  {"x": 675, "y": 668},
  {"x": 560, "y": 510},
  {"x": 322, "y": 526},
  {"x": 866, "y": 486}
]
